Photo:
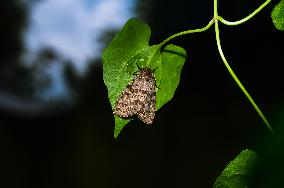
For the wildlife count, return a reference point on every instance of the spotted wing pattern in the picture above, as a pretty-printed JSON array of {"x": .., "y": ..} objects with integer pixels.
[{"x": 138, "y": 98}]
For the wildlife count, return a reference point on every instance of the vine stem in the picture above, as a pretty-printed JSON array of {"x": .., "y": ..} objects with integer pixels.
[
  {"x": 238, "y": 82},
  {"x": 246, "y": 18},
  {"x": 188, "y": 32},
  {"x": 215, "y": 20}
]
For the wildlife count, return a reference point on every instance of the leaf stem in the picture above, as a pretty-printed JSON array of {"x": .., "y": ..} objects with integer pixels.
[
  {"x": 232, "y": 72},
  {"x": 187, "y": 32},
  {"x": 246, "y": 18}
]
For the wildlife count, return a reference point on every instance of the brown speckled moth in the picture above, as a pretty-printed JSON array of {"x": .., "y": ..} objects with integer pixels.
[{"x": 138, "y": 98}]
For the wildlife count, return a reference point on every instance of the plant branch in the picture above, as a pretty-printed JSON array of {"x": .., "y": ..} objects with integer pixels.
[
  {"x": 215, "y": 20},
  {"x": 238, "y": 81},
  {"x": 188, "y": 32},
  {"x": 246, "y": 18},
  {"x": 215, "y": 9}
]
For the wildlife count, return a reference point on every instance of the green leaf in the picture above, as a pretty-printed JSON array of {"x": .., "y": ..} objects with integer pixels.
[
  {"x": 119, "y": 124},
  {"x": 277, "y": 15},
  {"x": 130, "y": 41},
  {"x": 149, "y": 57},
  {"x": 238, "y": 171},
  {"x": 128, "y": 51},
  {"x": 173, "y": 58}
]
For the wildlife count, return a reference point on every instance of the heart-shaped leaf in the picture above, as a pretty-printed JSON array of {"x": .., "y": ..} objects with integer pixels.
[{"x": 127, "y": 53}]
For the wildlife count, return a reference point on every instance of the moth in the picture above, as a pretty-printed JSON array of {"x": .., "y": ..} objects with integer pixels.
[{"x": 138, "y": 98}]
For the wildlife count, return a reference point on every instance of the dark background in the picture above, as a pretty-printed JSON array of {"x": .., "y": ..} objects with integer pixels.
[{"x": 193, "y": 137}]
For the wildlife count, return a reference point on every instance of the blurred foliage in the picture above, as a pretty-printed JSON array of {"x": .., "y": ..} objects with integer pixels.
[
  {"x": 38, "y": 69},
  {"x": 238, "y": 172},
  {"x": 14, "y": 76},
  {"x": 269, "y": 170},
  {"x": 13, "y": 20}
]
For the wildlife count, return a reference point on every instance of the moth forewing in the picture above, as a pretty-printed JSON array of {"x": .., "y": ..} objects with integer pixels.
[{"x": 138, "y": 98}]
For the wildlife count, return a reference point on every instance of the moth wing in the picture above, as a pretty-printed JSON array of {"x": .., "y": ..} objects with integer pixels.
[
  {"x": 139, "y": 98},
  {"x": 126, "y": 104},
  {"x": 147, "y": 111}
]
